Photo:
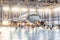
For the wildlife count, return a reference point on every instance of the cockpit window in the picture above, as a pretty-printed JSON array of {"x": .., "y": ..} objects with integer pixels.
[{"x": 33, "y": 15}]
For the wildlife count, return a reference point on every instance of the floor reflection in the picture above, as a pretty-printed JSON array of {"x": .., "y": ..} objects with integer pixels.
[{"x": 12, "y": 33}]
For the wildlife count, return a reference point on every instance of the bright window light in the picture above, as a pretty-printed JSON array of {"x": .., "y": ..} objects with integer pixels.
[
  {"x": 15, "y": 9},
  {"x": 5, "y": 8},
  {"x": 5, "y": 22},
  {"x": 40, "y": 10},
  {"x": 44, "y": 10},
  {"x": 47, "y": 11},
  {"x": 55, "y": 22},
  {"x": 24, "y": 9},
  {"x": 56, "y": 9},
  {"x": 32, "y": 10}
]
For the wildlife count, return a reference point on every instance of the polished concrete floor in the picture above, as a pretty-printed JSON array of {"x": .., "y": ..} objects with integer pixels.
[{"x": 7, "y": 33}]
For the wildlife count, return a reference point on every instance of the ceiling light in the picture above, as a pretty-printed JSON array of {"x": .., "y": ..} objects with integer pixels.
[
  {"x": 15, "y": 9},
  {"x": 57, "y": 9},
  {"x": 5, "y": 8},
  {"x": 24, "y": 9},
  {"x": 32, "y": 10}
]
